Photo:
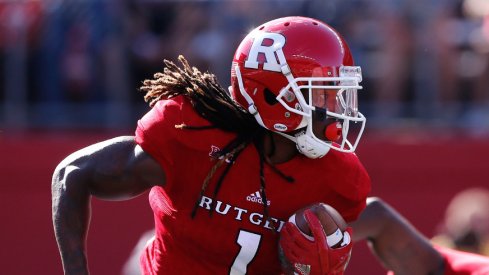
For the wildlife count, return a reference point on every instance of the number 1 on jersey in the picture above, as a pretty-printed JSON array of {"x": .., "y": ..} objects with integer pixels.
[{"x": 249, "y": 243}]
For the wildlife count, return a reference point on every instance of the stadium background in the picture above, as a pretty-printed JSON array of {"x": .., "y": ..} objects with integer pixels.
[{"x": 69, "y": 73}]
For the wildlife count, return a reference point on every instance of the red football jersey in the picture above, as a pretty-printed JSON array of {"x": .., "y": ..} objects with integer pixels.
[
  {"x": 235, "y": 238},
  {"x": 463, "y": 263}
]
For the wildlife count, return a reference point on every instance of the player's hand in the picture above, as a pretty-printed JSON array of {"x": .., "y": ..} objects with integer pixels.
[{"x": 314, "y": 256}]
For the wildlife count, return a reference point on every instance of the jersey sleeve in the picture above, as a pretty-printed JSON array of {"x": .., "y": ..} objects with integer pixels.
[
  {"x": 356, "y": 207},
  {"x": 156, "y": 133},
  {"x": 355, "y": 187},
  {"x": 459, "y": 262}
]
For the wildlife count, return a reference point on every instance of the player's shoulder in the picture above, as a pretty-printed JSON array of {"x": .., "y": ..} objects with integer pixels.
[
  {"x": 344, "y": 161},
  {"x": 177, "y": 109},
  {"x": 177, "y": 119},
  {"x": 348, "y": 173}
]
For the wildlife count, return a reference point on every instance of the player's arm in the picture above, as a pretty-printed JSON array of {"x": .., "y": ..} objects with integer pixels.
[
  {"x": 395, "y": 242},
  {"x": 115, "y": 169}
]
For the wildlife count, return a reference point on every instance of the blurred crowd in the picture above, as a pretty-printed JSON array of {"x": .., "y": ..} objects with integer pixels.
[{"x": 79, "y": 64}]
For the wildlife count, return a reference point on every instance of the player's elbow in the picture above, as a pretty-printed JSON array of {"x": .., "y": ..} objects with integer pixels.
[
  {"x": 59, "y": 179},
  {"x": 387, "y": 218},
  {"x": 67, "y": 180},
  {"x": 379, "y": 217},
  {"x": 378, "y": 207}
]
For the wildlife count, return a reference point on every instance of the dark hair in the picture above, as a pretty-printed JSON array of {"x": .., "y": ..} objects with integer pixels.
[{"x": 211, "y": 101}]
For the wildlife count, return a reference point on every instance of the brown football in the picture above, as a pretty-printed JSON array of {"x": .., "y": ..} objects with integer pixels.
[{"x": 330, "y": 219}]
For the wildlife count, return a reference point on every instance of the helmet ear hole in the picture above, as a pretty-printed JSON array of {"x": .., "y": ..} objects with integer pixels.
[{"x": 270, "y": 97}]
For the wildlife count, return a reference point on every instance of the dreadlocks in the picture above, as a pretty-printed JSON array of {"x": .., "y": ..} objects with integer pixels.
[{"x": 213, "y": 103}]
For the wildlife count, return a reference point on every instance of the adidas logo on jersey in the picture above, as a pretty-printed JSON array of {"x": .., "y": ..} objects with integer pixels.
[{"x": 256, "y": 197}]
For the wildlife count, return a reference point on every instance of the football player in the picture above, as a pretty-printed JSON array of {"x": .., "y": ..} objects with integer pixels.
[{"x": 226, "y": 169}]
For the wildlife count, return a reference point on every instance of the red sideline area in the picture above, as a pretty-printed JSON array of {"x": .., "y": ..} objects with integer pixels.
[{"x": 417, "y": 175}]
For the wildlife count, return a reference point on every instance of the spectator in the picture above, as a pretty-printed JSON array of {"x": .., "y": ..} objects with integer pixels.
[{"x": 466, "y": 222}]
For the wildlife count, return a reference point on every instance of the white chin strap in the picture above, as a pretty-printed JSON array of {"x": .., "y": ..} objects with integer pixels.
[{"x": 308, "y": 145}]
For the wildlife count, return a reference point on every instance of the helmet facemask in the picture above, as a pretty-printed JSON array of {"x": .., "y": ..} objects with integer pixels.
[{"x": 336, "y": 95}]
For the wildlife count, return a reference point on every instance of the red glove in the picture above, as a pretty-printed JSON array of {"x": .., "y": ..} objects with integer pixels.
[{"x": 314, "y": 256}]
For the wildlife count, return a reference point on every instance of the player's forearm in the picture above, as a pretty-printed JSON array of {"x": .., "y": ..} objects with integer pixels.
[
  {"x": 397, "y": 244},
  {"x": 71, "y": 216}
]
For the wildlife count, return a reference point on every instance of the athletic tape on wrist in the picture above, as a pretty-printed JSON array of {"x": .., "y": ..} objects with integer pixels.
[{"x": 334, "y": 238}]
